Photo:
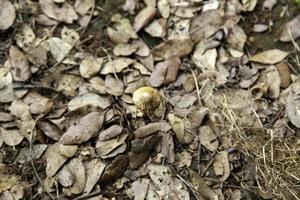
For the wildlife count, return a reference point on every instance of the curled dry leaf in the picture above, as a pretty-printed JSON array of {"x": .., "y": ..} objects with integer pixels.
[
  {"x": 37, "y": 103},
  {"x": 110, "y": 133},
  {"x": 147, "y": 99},
  {"x": 206, "y": 24},
  {"x": 59, "y": 48},
  {"x": 54, "y": 160},
  {"x": 83, "y": 6},
  {"x": 11, "y": 137},
  {"x": 90, "y": 66},
  {"x": 273, "y": 81},
  {"x": 62, "y": 13},
  {"x": 151, "y": 128},
  {"x": 169, "y": 186},
  {"x": 87, "y": 127},
  {"x": 7, "y": 14},
  {"x": 221, "y": 165},
  {"x": 272, "y": 56},
  {"x": 208, "y": 139},
  {"x": 178, "y": 127},
  {"x": 94, "y": 170},
  {"x": 144, "y": 17},
  {"x": 178, "y": 47},
  {"x": 89, "y": 99},
  {"x": 114, "y": 86},
  {"x": 116, "y": 65},
  {"x": 20, "y": 67}
]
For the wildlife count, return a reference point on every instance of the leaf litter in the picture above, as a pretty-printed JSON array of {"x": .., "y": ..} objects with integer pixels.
[{"x": 149, "y": 99}]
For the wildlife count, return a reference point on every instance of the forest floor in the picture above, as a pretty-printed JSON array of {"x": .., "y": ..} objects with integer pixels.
[{"x": 149, "y": 99}]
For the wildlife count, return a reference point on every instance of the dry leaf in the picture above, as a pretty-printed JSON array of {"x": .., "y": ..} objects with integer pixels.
[
  {"x": 130, "y": 5},
  {"x": 183, "y": 159},
  {"x": 89, "y": 99},
  {"x": 45, "y": 20},
  {"x": 94, "y": 170},
  {"x": 285, "y": 74},
  {"x": 169, "y": 186},
  {"x": 272, "y": 56},
  {"x": 116, "y": 65},
  {"x": 114, "y": 86},
  {"x": 7, "y": 182},
  {"x": 259, "y": 28},
  {"x": 291, "y": 30},
  {"x": 200, "y": 185},
  {"x": 273, "y": 80},
  {"x": 167, "y": 147},
  {"x": 206, "y": 61},
  {"x": 151, "y": 128},
  {"x": 143, "y": 70},
  {"x": 206, "y": 24},
  {"x": 70, "y": 36},
  {"x": 87, "y": 127},
  {"x": 158, "y": 74},
  {"x": 25, "y": 38},
  {"x": 157, "y": 28},
  {"x": 208, "y": 139},
  {"x": 7, "y": 14},
  {"x": 50, "y": 130},
  {"x": 164, "y": 8},
  {"x": 139, "y": 189},
  {"x": 61, "y": 12},
  {"x": 17, "y": 191},
  {"x": 292, "y": 109},
  {"x": 122, "y": 49},
  {"x": 68, "y": 84},
  {"x": 59, "y": 48},
  {"x": 54, "y": 160},
  {"x": 83, "y": 6},
  {"x": 90, "y": 66},
  {"x": 221, "y": 165},
  {"x": 183, "y": 101},
  {"x": 77, "y": 170},
  {"x": 11, "y": 137},
  {"x": 37, "y": 55},
  {"x": 20, "y": 67},
  {"x": 178, "y": 127},
  {"x": 25, "y": 154},
  {"x": 65, "y": 177},
  {"x": 269, "y": 4},
  {"x": 173, "y": 47},
  {"x": 110, "y": 133},
  {"x": 68, "y": 150},
  {"x": 5, "y": 117},
  {"x": 143, "y": 49},
  {"x": 144, "y": 17},
  {"x": 37, "y": 103},
  {"x": 237, "y": 38},
  {"x": 122, "y": 30},
  {"x": 105, "y": 147}
]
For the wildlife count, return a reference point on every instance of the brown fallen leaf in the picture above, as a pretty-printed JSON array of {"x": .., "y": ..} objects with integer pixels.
[
  {"x": 59, "y": 48},
  {"x": 157, "y": 28},
  {"x": 83, "y": 6},
  {"x": 290, "y": 31},
  {"x": 7, "y": 14},
  {"x": 201, "y": 186},
  {"x": 91, "y": 99},
  {"x": 269, "y": 4},
  {"x": 237, "y": 38},
  {"x": 20, "y": 67},
  {"x": 167, "y": 147},
  {"x": 158, "y": 74},
  {"x": 125, "y": 49},
  {"x": 139, "y": 189},
  {"x": 178, "y": 47},
  {"x": 144, "y": 17},
  {"x": 68, "y": 150},
  {"x": 94, "y": 170},
  {"x": 54, "y": 159},
  {"x": 50, "y": 129},
  {"x": 62, "y": 13},
  {"x": 116, "y": 65},
  {"x": 37, "y": 55},
  {"x": 292, "y": 104},
  {"x": 183, "y": 159},
  {"x": 5, "y": 117},
  {"x": 221, "y": 165},
  {"x": 90, "y": 66},
  {"x": 87, "y": 127},
  {"x": 37, "y": 103},
  {"x": 272, "y": 56},
  {"x": 43, "y": 19},
  {"x": 105, "y": 147},
  {"x": 178, "y": 127},
  {"x": 25, "y": 38},
  {"x": 110, "y": 133},
  {"x": 151, "y": 128},
  {"x": 285, "y": 74},
  {"x": 76, "y": 168},
  {"x": 65, "y": 178},
  {"x": 164, "y": 8},
  {"x": 68, "y": 84},
  {"x": 26, "y": 154},
  {"x": 114, "y": 86},
  {"x": 206, "y": 24},
  {"x": 208, "y": 139},
  {"x": 129, "y": 6},
  {"x": 11, "y": 137}
]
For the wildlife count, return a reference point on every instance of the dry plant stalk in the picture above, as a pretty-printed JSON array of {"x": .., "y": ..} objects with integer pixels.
[{"x": 276, "y": 159}]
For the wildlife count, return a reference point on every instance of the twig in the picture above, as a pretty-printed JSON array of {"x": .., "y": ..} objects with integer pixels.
[
  {"x": 88, "y": 196},
  {"x": 197, "y": 86}
]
